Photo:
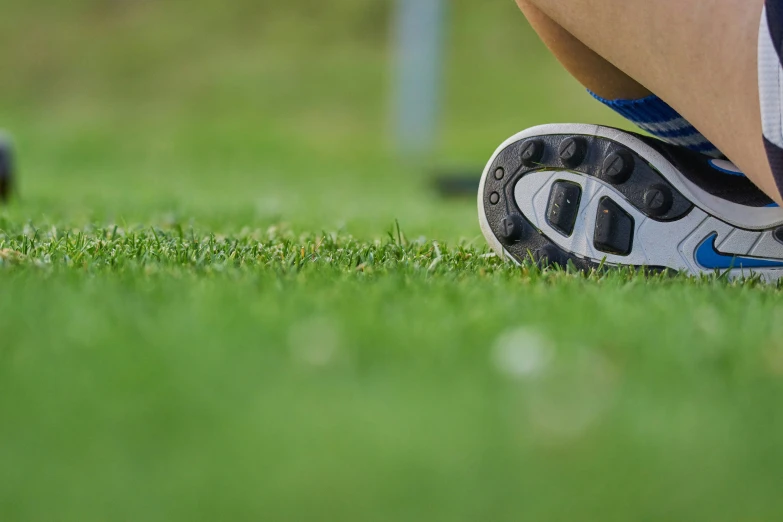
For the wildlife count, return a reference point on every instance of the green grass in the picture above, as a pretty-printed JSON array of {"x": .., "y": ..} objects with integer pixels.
[{"x": 209, "y": 312}]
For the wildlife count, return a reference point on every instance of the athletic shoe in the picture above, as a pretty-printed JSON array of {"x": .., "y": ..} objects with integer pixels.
[{"x": 597, "y": 196}]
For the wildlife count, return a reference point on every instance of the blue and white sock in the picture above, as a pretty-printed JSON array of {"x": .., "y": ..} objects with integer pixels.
[{"x": 655, "y": 116}]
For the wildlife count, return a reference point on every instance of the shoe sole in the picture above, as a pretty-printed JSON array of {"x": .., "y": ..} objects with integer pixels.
[{"x": 597, "y": 196}]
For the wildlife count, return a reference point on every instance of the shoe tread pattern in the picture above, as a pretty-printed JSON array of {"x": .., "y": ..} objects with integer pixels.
[{"x": 534, "y": 243}]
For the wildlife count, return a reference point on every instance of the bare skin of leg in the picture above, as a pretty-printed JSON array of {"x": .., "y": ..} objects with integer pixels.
[
  {"x": 700, "y": 56},
  {"x": 587, "y": 66}
]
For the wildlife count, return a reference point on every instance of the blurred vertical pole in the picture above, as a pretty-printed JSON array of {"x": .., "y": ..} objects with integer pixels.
[{"x": 418, "y": 34}]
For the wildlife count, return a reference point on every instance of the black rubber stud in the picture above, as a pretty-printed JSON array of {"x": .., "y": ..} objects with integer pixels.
[
  {"x": 779, "y": 234},
  {"x": 563, "y": 206},
  {"x": 613, "y": 228},
  {"x": 531, "y": 152},
  {"x": 618, "y": 167},
  {"x": 658, "y": 200},
  {"x": 499, "y": 173},
  {"x": 512, "y": 229},
  {"x": 549, "y": 255},
  {"x": 494, "y": 198},
  {"x": 573, "y": 151}
]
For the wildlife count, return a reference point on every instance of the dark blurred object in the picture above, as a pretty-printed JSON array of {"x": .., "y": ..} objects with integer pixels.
[
  {"x": 6, "y": 168},
  {"x": 457, "y": 184}
]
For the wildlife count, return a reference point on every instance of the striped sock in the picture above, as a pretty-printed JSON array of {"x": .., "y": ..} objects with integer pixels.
[
  {"x": 770, "y": 72},
  {"x": 654, "y": 115}
]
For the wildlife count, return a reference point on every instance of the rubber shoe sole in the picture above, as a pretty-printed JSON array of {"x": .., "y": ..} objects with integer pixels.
[{"x": 597, "y": 196}]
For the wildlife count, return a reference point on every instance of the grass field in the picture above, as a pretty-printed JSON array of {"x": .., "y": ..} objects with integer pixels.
[{"x": 222, "y": 297}]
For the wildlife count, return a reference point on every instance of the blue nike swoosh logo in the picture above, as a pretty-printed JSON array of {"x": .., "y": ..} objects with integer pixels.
[{"x": 708, "y": 256}]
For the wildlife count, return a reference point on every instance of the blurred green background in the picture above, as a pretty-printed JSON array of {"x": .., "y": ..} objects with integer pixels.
[
  {"x": 203, "y": 315},
  {"x": 258, "y": 111}
]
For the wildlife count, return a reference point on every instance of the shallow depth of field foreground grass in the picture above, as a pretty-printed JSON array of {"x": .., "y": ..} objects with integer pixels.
[
  {"x": 223, "y": 297},
  {"x": 173, "y": 375}
]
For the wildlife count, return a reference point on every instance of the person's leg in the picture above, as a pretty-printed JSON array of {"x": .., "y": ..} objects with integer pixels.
[
  {"x": 616, "y": 89},
  {"x": 700, "y": 56},
  {"x": 587, "y": 66}
]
